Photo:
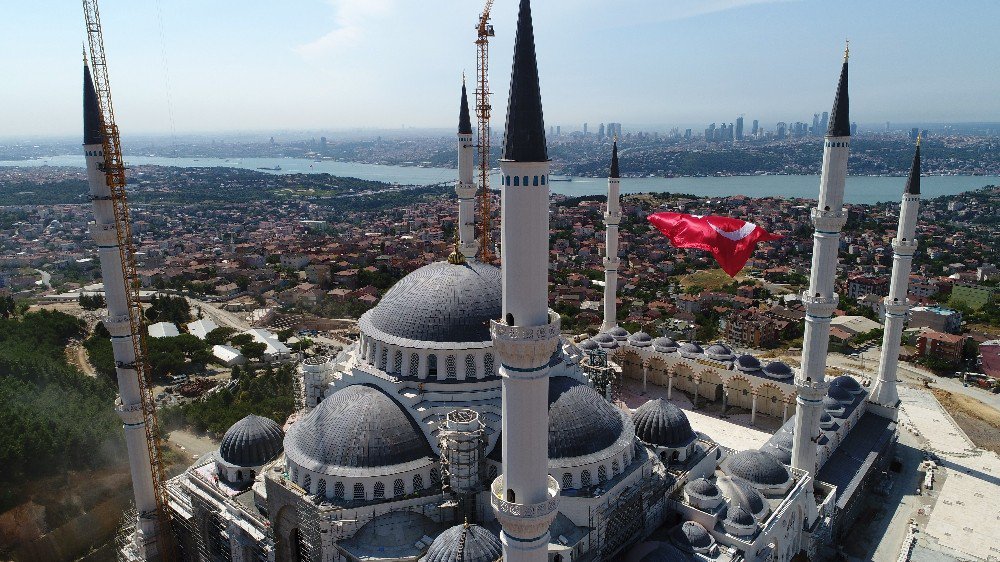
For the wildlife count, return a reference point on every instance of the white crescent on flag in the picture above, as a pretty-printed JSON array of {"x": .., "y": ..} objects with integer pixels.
[{"x": 735, "y": 235}]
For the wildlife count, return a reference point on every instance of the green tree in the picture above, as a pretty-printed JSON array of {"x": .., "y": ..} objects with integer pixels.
[
  {"x": 253, "y": 350},
  {"x": 220, "y": 335}
]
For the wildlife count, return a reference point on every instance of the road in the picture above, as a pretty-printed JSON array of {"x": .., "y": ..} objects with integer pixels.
[
  {"x": 46, "y": 279},
  {"x": 196, "y": 446}
]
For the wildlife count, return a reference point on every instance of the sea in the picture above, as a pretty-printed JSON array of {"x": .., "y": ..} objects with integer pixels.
[{"x": 859, "y": 189}]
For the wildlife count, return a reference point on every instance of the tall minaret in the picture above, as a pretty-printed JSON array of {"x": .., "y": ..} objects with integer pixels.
[
  {"x": 821, "y": 301},
  {"x": 525, "y": 497},
  {"x": 896, "y": 304},
  {"x": 129, "y": 405},
  {"x": 465, "y": 189},
  {"x": 612, "y": 217}
]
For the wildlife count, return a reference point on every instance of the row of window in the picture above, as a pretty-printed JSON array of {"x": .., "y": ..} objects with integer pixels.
[
  {"x": 94, "y": 152},
  {"x": 518, "y": 181},
  {"x": 359, "y": 491},
  {"x": 413, "y": 369},
  {"x": 838, "y": 144}
]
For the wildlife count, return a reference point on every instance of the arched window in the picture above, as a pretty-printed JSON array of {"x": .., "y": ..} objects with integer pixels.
[
  {"x": 397, "y": 363},
  {"x": 359, "y": 491},
  {"x": 510, "y": 496},
  {"x": 435, "y": 477},
  {"x": 543, "y": 180},
  {"x": 470, "y": 367},
  {"x": 239, "y": 475},
  {"x": 432, "y": 365},
  {"x": 488, "y": 365},
  {"x": 338, "y": 490},
  {"x": 567, "y": 481},
  {"x": 614, "y": 467},
  {"x": 384, "y": 359},
  {"x": 602, "y": 474},
  {"x": 397, "y": 488},
  {"x": 418, "y": 483},
  {"x": 414, "y": 364},
  {"x": 295, "y": 474},
  {"x": 525, "y": 181},
  {"x": 379, "y": 490},
  {"x": 307, "y": 483},
  {"x": 517, "y": 180},
  {"x": 450, "y": 364},
  {"x": 585, "y": 479},
  {"x": 321, "y": 487},
  {"x": 493, "y": 472},
  {"x": 507, "y": 182}
]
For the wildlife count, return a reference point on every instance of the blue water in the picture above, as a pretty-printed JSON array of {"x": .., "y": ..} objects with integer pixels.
[{"x": 860, "y": 189}]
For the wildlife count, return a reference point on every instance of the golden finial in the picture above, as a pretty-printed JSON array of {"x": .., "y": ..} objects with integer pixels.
[
  {"x": 918, "y": 139},
  {"x": 466, "y": 522},
  {"x": 456, "y": 257},
  {"x": 847, "y": 49}
]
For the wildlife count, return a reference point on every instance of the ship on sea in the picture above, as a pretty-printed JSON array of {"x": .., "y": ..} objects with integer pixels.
[{"x": 274, "y": 169}]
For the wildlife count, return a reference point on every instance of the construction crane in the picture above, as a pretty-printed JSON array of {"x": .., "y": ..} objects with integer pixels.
[
  {"x": 114, "y": 170},
  {"x": 484, "y": 31}
]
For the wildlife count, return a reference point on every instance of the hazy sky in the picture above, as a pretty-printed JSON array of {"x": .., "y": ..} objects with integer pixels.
[{"x": 254, "y": 65}]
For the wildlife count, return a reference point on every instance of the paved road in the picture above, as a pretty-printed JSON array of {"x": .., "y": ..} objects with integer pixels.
[
  {"x": 46, "y": 278},
  {"x": 240, "y": 322}
]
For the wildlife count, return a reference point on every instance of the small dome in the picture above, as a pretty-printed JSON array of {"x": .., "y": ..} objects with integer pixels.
[
  {"x": 581, "y": 421},
  {"x": 587, "y": 345},
  {"x": 848, "y": 383},
  {"x": 840, "y": 394},
  {"x": 834, "y": 407},
  {"x": 757, "y": 467},
  {"x": 691, "y": 348},
  {"x": 252, "y": 441},
  {"x": 664, "y": 344},
  {"x": 440, "y": 302},
  {"x": 825, "y": 418},
  {"x": 658, "y": 422},
  {"x": 747, "y": 363},
  {"x": 702, "y": 487},
  {"x": 618, "y": 333},
  {"x": 778, "y": 370},
  {"x": 691, "y": 536},
  {"x": 356, "y": 427},
  {"x": 738, "y": 515},
  {"x": 741, "y": 494},
  {"x": 465, "y": 543},
  {"x": 605, "y": 341},
  {"x": 719, "y": 351},
  {"x": 640, "y": 339}
]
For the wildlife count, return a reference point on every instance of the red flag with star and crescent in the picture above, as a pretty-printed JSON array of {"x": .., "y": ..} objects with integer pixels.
[{"x": 730, "y": 240}]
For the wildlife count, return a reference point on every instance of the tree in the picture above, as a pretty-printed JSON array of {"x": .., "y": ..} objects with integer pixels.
[
  {"x": 220, "y": 335},
  {"x": 253, "y": 350},
  {"x": 92, "y": 302},
  {"x": 7, "y": 306},
  {"x": 239, "y": 340}
]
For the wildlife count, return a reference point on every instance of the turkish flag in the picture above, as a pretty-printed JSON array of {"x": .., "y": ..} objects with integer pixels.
[{"x": 730, "y": 240}]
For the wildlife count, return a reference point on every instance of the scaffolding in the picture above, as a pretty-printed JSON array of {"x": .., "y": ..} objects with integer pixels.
[
  {"x": 598, "y": 371},
  {"x": 463, "y": 460},
  {"x": 308, "y": 543}
]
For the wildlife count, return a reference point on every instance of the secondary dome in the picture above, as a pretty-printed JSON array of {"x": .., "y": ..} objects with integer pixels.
[
  {"x": 848, "y": 383},
  {"x": 747, "y": 363},
  {"x": 757, "y": 467},
  {"x": 719, "y": 352},
  {"x": 702, "y": 487},
  {"x": 690, "y": 349},
  {"x": 742, "y": 494},
  {"x": 356, "y": 427},
  {"x": 465, "y": 543},
  {"x": 440, "y": 302},
  {"x": 659, "y": 422},
  {"x": 640, "y": 339},
  {"x": 778, "y": 370},
  {"x": 605, "y": 341},
  {"x": 664, "y": 344},
  {"x": 587, "y": 345},
  {"x": 581, "y": 421},
  {"x": 691, "y": 536},
  {"x": 618, "y": 333},
  {"x": 840, "y": 394},
  {"x": 252, "y": 441}
]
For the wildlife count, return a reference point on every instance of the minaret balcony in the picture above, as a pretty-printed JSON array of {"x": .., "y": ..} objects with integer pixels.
[
  {"x": 904, "y": 247},
  {"x": 810, "y": 390},
  {"x": 465, "y": 190},
  {"x": 131, "y": 414},
  {"x": 896, "y": 308},
  {"x": 525, "y": 349},
  {"x": 818, "y": 306},
  {"x": 829, "y": 221},
  {"x": 118, "y": 325},
  {"x": 524, "y": 520},
  {"x": 106, "y": 235},
  {"x": 612, "y": 263},
  {"x": 613, "y": 218}
]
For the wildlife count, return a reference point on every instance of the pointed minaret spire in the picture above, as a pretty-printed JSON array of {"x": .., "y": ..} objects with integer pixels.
[
  {"x": 840, "y": 121},
  {"x": 913, "y": 182},
  {"x": 464, "y": 122},
  {"x": 614, "y": 161},
  {"x": 91, "y": 110},
  {"x": 525, "y": 134}
]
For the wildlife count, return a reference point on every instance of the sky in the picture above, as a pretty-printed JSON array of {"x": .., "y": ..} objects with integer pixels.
[{"x": 206, "y": 66}]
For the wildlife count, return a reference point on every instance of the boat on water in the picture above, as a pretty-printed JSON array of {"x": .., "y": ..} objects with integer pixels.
[
  {"x": 560, "y": 178},
  {"x": 274, "y": 169}
]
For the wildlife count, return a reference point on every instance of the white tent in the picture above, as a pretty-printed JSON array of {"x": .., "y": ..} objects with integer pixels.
[
  {"x": 228, "y": 355},
  {"x": 163, "y": 330},
  {"x": 201, "y": 328}
]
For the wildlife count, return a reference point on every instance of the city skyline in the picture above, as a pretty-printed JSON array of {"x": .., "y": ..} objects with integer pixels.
[{"x": 186, "y": 68}]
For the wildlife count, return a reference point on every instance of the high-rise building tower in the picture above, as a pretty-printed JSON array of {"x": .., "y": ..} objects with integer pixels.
[
  {"x": 612, "y": 218},
  {"x": 739, "y": 128},
  {"x": 525, "y": 497},
  {"x": 585, "y": 129},
  {"x": 820, "y": 299},
  {"x": 129, "y": 404},
  {"x": 600, "y": 132},
  {"x": 755, "y": 128},
  {"x": 904, "y": 245},
  {"x": 465, "y": 188}
]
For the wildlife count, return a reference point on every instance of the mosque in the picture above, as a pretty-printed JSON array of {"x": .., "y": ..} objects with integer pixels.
[{"x": 464, "y": 426}]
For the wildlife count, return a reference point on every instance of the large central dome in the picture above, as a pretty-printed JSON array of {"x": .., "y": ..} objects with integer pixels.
[{"x": 440, "y": 302}]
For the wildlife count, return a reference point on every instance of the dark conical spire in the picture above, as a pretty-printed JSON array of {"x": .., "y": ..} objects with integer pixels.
[
  {"x": 840, "y": 121},
  {"x": 464, "y": 123},
  {"x": 525, "y": 133},
  {"x": 913, "y": 182},
  {"x": 614, "y": 161},
  {"x": 91, "y": 111}
]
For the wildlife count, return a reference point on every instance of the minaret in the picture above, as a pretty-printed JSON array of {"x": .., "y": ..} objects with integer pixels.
[
  {"x": 896, "y": 304},
  {"x": 525, "y": 497},
  {"x": 129, "y": 405},
  {"x": 465, "y": 189},
  {"x": 612, "y": 217},
  {"x": 820, "y": 300}
]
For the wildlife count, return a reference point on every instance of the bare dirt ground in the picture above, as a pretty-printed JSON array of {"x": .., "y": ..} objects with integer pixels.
[
  {"x": 76, "y": 355},
  {"x": 978, "y": 420}
]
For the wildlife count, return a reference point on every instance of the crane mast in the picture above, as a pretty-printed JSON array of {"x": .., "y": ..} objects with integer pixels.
[
  {"x": 114, "y": 172},
  {"x": 484, "y": 31}
]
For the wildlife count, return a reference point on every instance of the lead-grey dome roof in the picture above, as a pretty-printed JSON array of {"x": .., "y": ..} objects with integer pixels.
[
  {"x": 778, "y": 370},
  {"x": 587, "y": 344},
  {"x": 747, "y": 363},
  {"x": 719, "y": 350},
  {"x": 465, "y": 543},
  {"x": 691, "y": 536},
  {"x": 252, "y": 441},
  {"x": 440, "y": 302},
  {"x": 581, "y": 421},
  {"x": 618, "y": 333},
  {"x": 691, "y": 347},
  {"x": 741, "y": 494},
  {"x": 356, "y": 427},
  {"x": 640, "y": 339},
  {"x": 702, "y": 487},
  {"x": 840, "y": 394},
  {"x": 739, "y": 515},
  {"x": 664, "y": 344},
  {"x": 659, "y": 422},
  {"x": 848, "y": 383},
  {"x": 758, "y": 467}
]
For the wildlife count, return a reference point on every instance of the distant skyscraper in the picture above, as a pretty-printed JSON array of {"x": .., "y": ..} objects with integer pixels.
[
  {"x": 687, "y": 134},
  {"x": 710, "y": 133},
  {"x": 887, "y": 126},
  {"x": 755, "y": 128},
  {"x": 552, "y": 131},
  {"x": 600, "y": 132},
  {"x": 815, "y": 127},
  {"x": 826, "y": 120},
  {"x": 584, "y": 128},
  {"x": 558, "y": 131},
  {"x": 781, "y": 129},
  {"x": 854, "y": 129},
  {"x": 739, "y": 128}
]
